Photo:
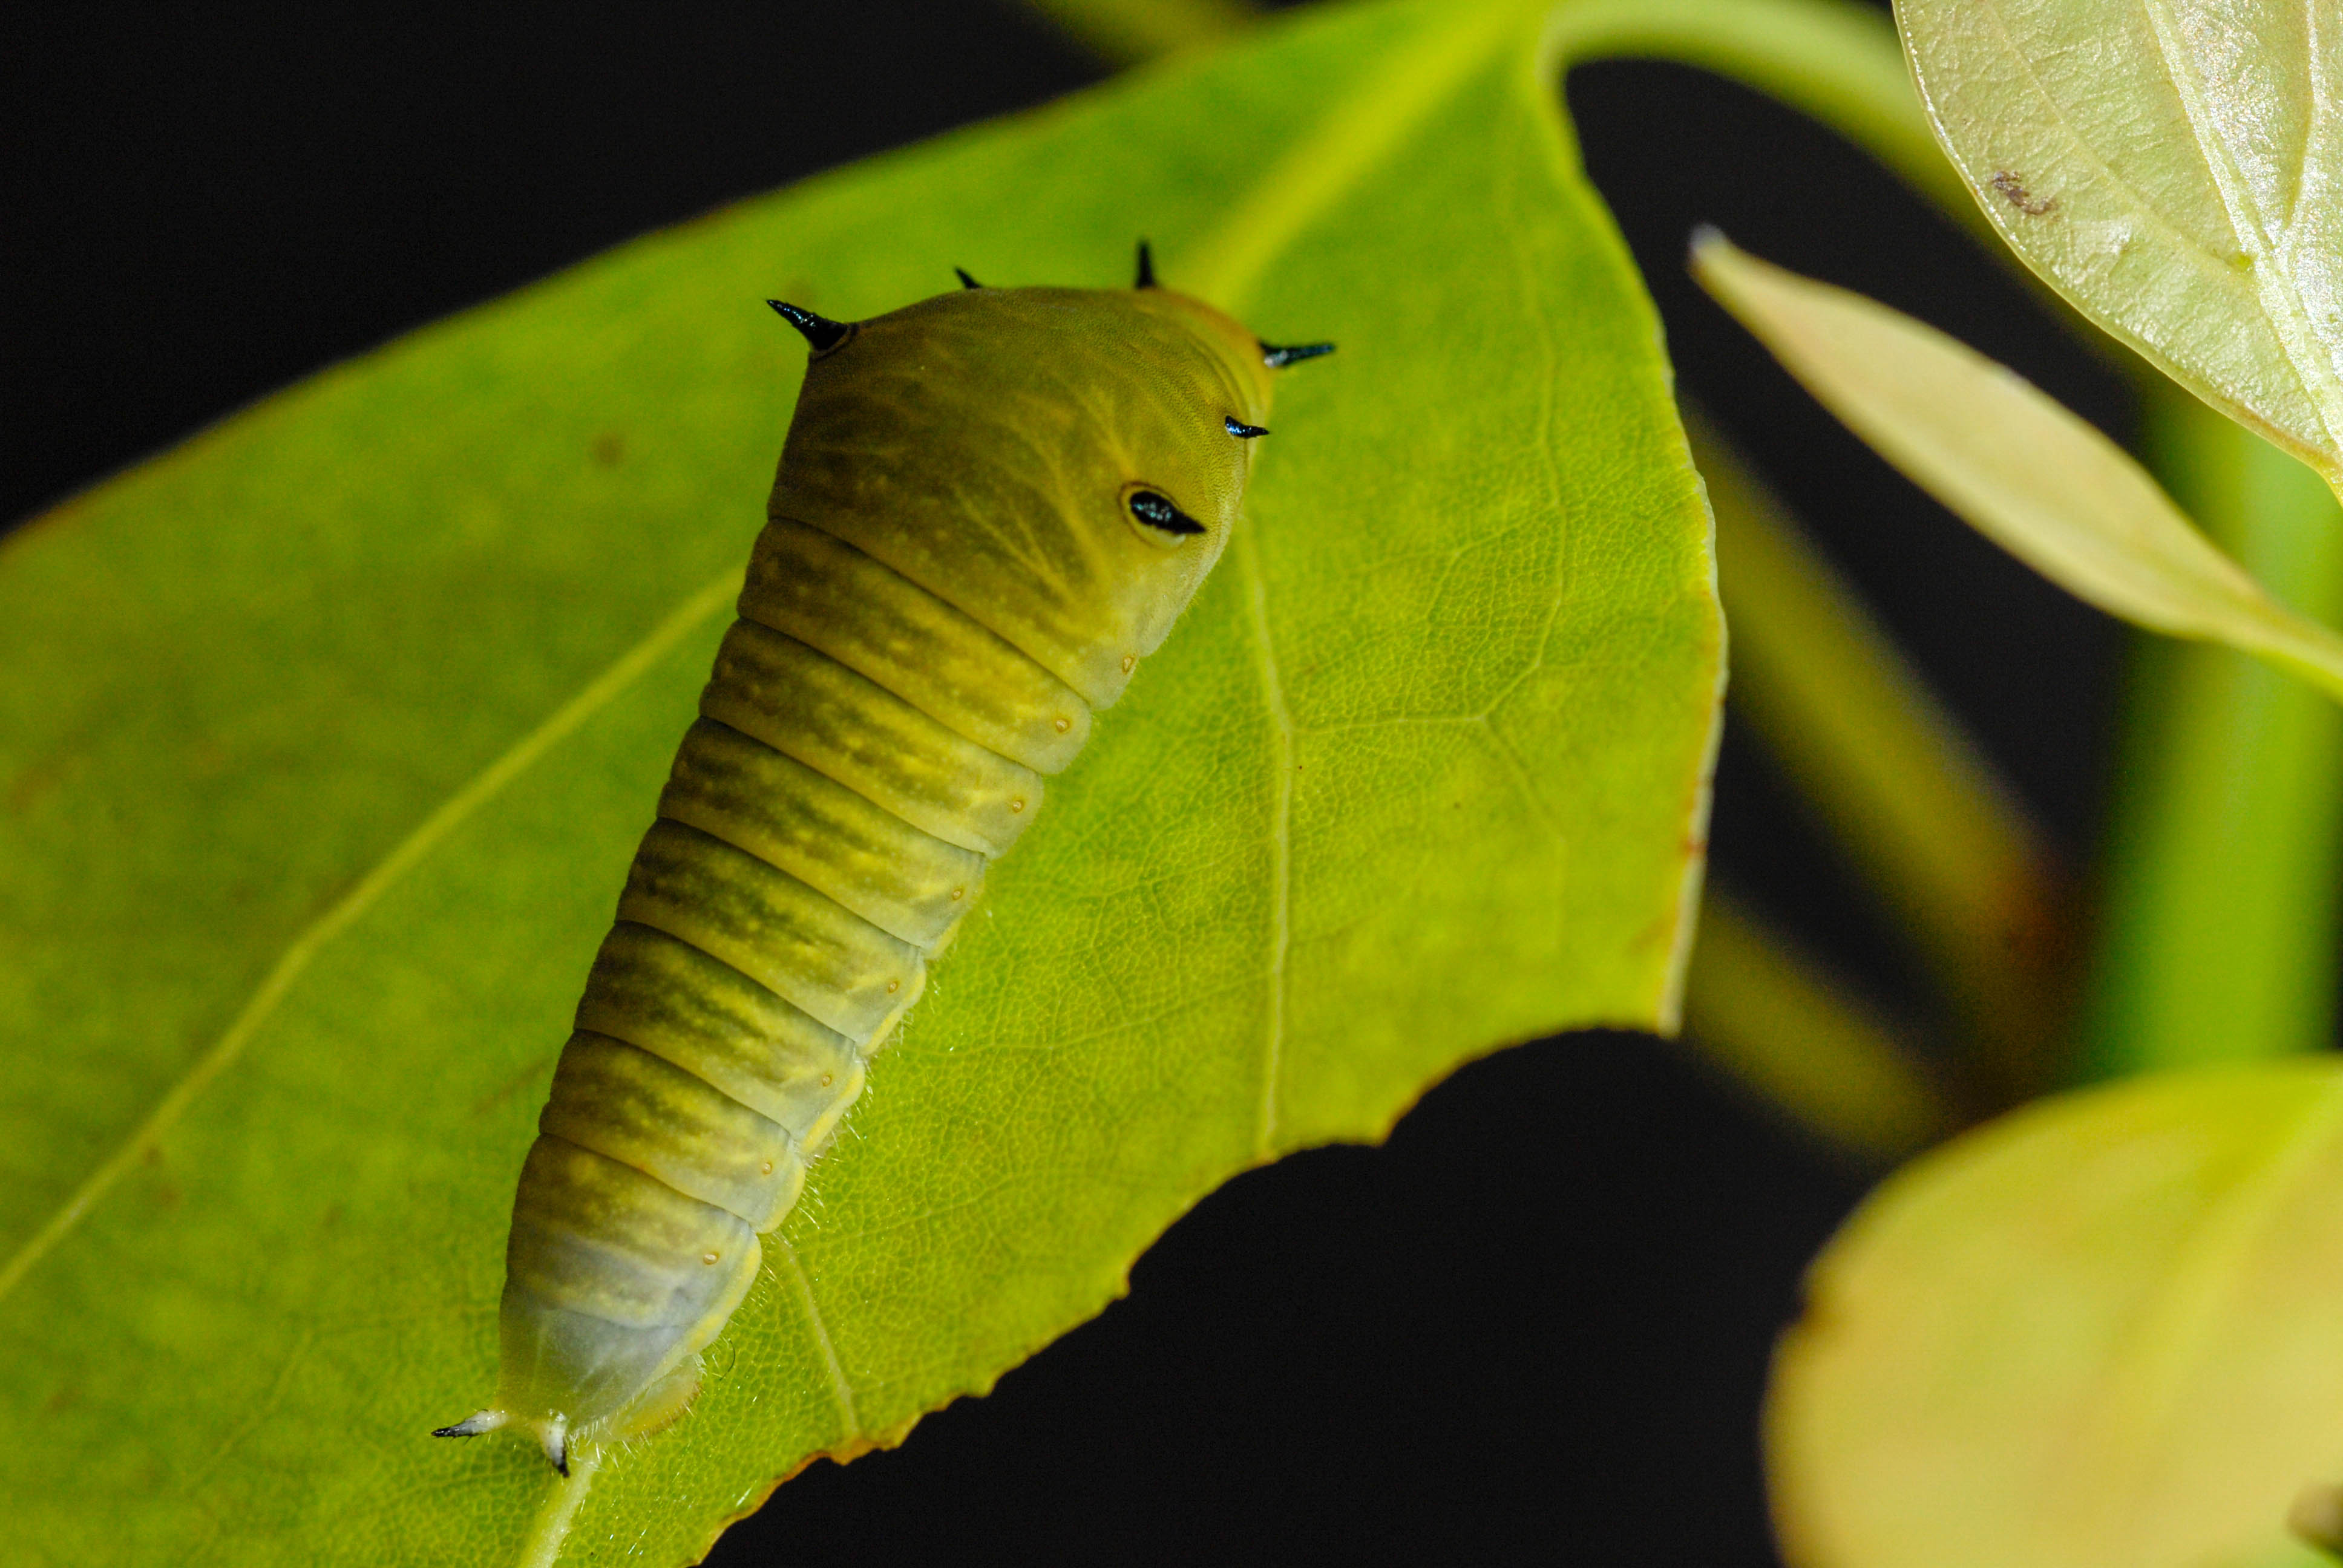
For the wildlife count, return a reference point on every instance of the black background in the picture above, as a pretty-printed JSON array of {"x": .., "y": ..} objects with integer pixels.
[{"x": 1534, "y": 1326}]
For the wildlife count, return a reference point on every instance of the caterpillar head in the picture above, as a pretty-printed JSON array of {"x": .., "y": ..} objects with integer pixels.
[{"x": 1064, "y": 464}]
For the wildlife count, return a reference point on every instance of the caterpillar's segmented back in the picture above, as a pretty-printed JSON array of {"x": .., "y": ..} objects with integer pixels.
[{"x": 990, "y": 505}]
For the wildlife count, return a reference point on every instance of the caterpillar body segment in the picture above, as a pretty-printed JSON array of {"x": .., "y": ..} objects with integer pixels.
[
  {"x": 1084, "y": 398},
  {"x": 991, "y": 505}
]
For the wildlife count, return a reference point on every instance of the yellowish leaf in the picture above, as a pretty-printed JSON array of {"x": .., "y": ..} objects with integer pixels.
[
  {"x": 2022, "y": 469},
  {"x": 2099, "y": 1334},
  {"x": 2174, "y": 169}
]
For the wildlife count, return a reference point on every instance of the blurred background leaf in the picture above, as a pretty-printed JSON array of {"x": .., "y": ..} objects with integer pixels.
[{"x": 2099, "y": 1334}]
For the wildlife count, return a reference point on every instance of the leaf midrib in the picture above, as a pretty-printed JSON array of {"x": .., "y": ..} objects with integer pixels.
[
  {"x": 2282, "y": 303},
  {"x": 2319, "y": 382},
  {"x": 1309, "y": 176},
  {"x": 1280, "y": 836},
  {"x": 2214, "y": 266},
  {"x": 2182, "y": 1319}
]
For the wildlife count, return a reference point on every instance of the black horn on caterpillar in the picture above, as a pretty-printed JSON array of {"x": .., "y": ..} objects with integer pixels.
[
  {"x": 1277, "y": 356},
  {"x": 820, "y": 332}
]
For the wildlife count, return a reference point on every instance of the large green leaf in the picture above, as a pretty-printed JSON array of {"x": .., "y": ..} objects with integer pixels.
[
  {"x": 2174, "y": 167},
  {"x": 325, "y": 741},
  {"x": 2100, "y": 1333}
]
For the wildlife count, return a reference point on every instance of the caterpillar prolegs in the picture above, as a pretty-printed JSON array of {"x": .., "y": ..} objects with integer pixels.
[{"x": 992, "y": 504}]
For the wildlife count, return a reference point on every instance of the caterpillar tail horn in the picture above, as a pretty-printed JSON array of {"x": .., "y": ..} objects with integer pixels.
[
  {"x": 555, "y": 1436},
  {"x": 473, "y": 1425},
  {"x": 552, "y": 1434}
]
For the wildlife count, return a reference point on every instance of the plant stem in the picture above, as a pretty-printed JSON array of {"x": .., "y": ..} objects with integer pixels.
[
  {"x": 1912, "y": 801},
  {"x": 2218, "y": 939},
  {"x": 564, "y": 1495},
  {"x": 1773, "y": 1020},
  {"x": 1835, "y": 61}
]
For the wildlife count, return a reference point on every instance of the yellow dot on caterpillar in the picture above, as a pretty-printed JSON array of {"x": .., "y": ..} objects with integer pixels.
[
  {"x": 764, "y": 1168},
  {"x": 1064, "y": 725},
  {"x": 708, "y": 1257},
  {"x": 1128, "y": 660},
  {"x": 893, "y": 985},
  {"x": 825, "y": 1080},
  {"x": 1017, "y": 805},
  {"x": 958, "y": 893}
]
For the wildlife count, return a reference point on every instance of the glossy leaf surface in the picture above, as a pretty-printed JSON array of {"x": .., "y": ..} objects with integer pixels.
[
  {"x": 2099, "y": 1334},
  {"x": 2174, "y": 169},
  {"x": 326, "y": 738},
  {"x": 2023, "y": 469}
]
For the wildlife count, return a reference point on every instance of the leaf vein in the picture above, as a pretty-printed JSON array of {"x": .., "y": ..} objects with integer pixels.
[
  {"x": 2207, "y": 262},
  {"x": 296, "y": 957},
  {"x": 841, "y": 1389},
  {"x": 2274, "y": 285},
  {"x": 1281, "y": 834}
]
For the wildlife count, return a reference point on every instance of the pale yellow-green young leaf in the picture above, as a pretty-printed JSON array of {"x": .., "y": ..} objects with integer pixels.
[
  {"x": 2174, "y": 167},
  {"x": 2098, "y": 1333},
  {"x": 2023, "y": 469}
]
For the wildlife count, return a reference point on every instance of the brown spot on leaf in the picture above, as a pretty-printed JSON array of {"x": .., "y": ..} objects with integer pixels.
[
  {"x": 2013, "y": 185},
  {"x": 608, "y": 448}
]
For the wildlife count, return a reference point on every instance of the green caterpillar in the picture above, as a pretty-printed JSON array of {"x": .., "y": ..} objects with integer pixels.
[{"x": 992, "y": 504}]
